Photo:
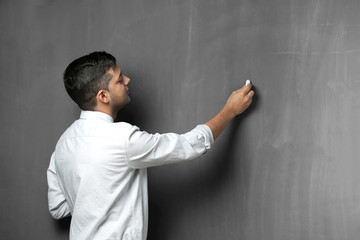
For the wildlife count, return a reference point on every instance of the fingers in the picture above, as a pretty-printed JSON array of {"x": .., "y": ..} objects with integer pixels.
[
  {"x": 240, "y": 99},
  {"x": 245, "y": 89},
  {"x": 247, "y": 93},
  {"x": 251, "y": 93}
]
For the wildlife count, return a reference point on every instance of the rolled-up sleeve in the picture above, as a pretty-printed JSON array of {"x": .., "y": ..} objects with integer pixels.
[
  {"x": 147, "y": 150},
  {"x": 58, "y": 206}
]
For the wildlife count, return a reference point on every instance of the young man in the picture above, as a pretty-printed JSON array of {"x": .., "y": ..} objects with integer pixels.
[{"x": 97, "y": 173}]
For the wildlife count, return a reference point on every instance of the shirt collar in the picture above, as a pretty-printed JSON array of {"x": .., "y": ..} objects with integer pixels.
[{"x": 96, "y": 115}]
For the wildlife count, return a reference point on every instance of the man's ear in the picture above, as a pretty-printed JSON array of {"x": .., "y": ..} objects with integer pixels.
[{"x": 103, "y": 96}]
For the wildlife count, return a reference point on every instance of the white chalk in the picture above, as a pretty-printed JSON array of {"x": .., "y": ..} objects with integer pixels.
[{"x": 247, "y": 82}]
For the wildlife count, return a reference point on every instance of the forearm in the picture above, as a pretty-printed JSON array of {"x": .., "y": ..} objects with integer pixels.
[{"x": 218, "y": 123}]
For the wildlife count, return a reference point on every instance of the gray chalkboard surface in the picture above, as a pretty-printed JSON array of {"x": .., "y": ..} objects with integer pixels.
[{"x": 288, "y": 168}]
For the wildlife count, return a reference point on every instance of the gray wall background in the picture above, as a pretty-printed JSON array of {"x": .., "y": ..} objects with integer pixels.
[{"x": 286, "y": 169}]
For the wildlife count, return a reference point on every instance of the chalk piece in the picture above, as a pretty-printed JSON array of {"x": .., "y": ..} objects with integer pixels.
[{"x": 247, "y": 82}]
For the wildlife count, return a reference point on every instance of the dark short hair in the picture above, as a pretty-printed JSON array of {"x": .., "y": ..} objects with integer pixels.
[{"x": 86, "y": 76}]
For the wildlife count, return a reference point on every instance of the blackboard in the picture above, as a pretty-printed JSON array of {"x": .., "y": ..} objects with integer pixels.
[{"x": 288, "y": 168}]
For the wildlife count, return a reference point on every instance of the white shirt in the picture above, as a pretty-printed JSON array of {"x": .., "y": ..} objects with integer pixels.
[{"x": 97, "y": 174}]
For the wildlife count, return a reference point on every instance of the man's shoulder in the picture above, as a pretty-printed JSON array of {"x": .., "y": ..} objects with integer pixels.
[
  {"x": 81, "y": 128},
  {"x": 123, "y": 125}
]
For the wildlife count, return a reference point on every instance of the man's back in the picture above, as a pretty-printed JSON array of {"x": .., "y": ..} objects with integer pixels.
[{"x": 103, "y": 193}]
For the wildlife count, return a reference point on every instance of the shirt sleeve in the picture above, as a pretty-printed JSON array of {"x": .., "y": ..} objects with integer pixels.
[
  {"x": 58, "y": 206},
  {"x": 147, "y": 150}
]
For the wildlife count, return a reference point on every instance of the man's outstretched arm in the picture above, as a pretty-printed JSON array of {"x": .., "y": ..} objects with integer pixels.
[
  {"x": 147, "y": 150},
  {"x": 237, "y": 103}
]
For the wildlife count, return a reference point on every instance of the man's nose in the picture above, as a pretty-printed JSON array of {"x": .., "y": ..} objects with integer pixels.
[{"x": 127, "y": 80}]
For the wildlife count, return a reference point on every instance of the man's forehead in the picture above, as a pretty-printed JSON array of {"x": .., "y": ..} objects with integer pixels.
[{"x": 114, "y": 72}]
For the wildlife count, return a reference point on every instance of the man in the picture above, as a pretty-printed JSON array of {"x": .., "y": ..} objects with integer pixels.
[{"x": 97, "y": 173}]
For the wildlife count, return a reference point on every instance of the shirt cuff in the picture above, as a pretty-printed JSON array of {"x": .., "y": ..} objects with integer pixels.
[{"x": 206, "y": 132}]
